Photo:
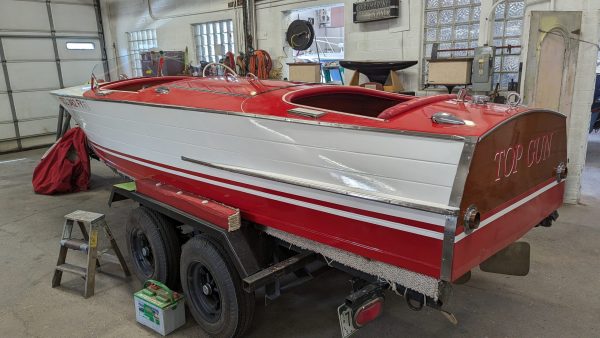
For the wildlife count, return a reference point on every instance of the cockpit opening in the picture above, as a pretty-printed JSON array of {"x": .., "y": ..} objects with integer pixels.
[{"x": 357, "y": 101}]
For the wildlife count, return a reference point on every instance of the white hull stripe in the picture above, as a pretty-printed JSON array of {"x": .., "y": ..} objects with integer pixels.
[
  {"x": 337, "y": 212},
  {"x": 508, "y": 209},
  {"x": 342, "y": 213}
]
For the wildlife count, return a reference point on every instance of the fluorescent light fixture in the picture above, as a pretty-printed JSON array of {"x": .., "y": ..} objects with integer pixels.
[{"x": 81, "y": 45}]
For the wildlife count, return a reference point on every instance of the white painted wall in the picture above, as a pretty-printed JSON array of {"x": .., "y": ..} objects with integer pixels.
[
  {"x": 174, "y": 31},
  {"x": 384, "y": 40},
  {"x": 399, "y": 39}
]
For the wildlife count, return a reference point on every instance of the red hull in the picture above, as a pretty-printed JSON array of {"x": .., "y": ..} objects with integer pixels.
[
  {"x": 365, "y": 239},
  {"x": 417, "y": 253},
  {"x": 482, "y": 244}
]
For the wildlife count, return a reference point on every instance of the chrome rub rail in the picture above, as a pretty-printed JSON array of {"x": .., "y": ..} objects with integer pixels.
[{"x": 451, "y": 211}]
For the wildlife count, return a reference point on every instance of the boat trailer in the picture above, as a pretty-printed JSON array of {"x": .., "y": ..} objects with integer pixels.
[{"x": 264, "y": 261}]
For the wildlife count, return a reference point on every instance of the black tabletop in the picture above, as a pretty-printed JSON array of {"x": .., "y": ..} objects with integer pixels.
[{"x": 377, "y": 71}]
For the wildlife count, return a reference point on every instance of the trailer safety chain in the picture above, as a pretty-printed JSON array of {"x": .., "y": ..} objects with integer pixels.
[
  {"x": 409, "y": 302},
  {"x": 411, "y": 305}
]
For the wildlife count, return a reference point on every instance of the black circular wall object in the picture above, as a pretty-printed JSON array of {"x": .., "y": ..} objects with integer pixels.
[{"x": 300, "y": 35}]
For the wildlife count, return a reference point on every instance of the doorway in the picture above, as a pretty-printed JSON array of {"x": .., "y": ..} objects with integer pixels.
[
  {"x": 52, "y": 45},
  {"x": 551, "y": 69},
  {"x": 549, "y": 81},
  {"x": 551, "y": 60}
]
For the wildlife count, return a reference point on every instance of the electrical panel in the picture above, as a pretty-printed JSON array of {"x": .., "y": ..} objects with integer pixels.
[{"x": 482, "y": 69}]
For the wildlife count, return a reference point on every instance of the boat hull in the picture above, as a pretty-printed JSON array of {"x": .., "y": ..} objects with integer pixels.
[
  {"x": 389, "y": 197},
  {"x": 140, "y": 143},
  {"x": 355, "y": 230}
]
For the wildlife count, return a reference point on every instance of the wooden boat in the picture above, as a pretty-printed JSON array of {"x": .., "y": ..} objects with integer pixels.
[{"x": 428, "y": 187}]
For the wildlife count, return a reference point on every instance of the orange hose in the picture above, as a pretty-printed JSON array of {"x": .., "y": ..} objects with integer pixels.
[{"x": 260, "y": 64}]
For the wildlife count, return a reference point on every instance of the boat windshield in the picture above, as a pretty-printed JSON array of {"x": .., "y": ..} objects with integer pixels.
[
  {"x": 135, "y": 72},
  {"x": 145, "y": 64}
]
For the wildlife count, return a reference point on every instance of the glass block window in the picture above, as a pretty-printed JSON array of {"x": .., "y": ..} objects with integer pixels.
[
  {"x": 140, "y": 41},
  {"x": 213, "y": 40},
  {"x": 452, "y": 24},
  {"x": 508, "y": 28}
]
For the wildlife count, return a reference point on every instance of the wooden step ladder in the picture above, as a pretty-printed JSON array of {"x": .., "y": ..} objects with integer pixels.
[{"x": 89, "y": 245}]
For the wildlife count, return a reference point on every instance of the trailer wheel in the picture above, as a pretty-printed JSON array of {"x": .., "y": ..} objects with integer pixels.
[
  {"x": 153, "y": 247},
  {"x": 213, "y": 289}
]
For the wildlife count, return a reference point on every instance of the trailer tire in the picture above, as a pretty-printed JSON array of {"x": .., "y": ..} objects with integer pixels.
[
  {"x": 153, "y": 246},
  {"x": 213, "y": 289}
]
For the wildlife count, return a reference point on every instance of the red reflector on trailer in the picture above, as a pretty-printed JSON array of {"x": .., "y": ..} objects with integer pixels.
[{"x": 368, "y": 312}]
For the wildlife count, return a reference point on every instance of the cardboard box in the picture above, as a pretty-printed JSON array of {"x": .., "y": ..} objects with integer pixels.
[
  {"x": 450, "y": 71},
  {"x": 305, "y": 72}
]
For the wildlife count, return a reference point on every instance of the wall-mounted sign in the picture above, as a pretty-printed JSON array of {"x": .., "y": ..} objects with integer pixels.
[{"x": 375, "y": 10}]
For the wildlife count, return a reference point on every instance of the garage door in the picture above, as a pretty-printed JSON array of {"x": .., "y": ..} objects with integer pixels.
[{"x": 44, "y": 45}]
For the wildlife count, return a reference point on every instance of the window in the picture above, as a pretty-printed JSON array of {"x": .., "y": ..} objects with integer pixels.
[
  {"x": 508, "y": 28},
  {"x": 80, "y": 45},
  {"x": 328, "y": 24},
  {"x": 452, "y": 24},
  {"x": 455, "y": 24},
  {"x": 213, "y": 40},
  {"x": 140, "y": 41}
]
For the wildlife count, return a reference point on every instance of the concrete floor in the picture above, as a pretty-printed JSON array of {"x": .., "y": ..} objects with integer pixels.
[{"x": 560, "y": 297}]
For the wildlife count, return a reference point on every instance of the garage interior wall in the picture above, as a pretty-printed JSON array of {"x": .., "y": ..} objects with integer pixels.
[
  {"x": 35, "y": 60},
  {"x": 396, "y": 39}
]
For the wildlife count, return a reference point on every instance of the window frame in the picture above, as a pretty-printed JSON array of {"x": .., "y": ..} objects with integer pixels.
[
  {"x": 501, "y": 70},
  {"x": 205, "y": 33},
  {"x": 138, "y": 42},
  {"x": 79, "y": 45},
  {"x": 471, "y": 40}
]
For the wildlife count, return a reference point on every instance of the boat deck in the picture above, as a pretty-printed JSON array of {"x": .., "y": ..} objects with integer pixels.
[{"x": 312, "y": 103}]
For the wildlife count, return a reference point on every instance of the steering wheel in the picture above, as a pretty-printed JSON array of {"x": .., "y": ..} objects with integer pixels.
[{"x": 218, "y": 64}]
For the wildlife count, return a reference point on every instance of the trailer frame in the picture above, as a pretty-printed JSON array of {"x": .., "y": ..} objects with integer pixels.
[{"x": 245, "y": 253}]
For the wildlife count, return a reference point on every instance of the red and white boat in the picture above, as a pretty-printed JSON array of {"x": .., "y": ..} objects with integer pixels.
[{"x": 414, "y": 190}]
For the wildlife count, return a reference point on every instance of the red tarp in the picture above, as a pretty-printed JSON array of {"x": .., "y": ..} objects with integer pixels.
[{"x": 65, "y": 167}]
